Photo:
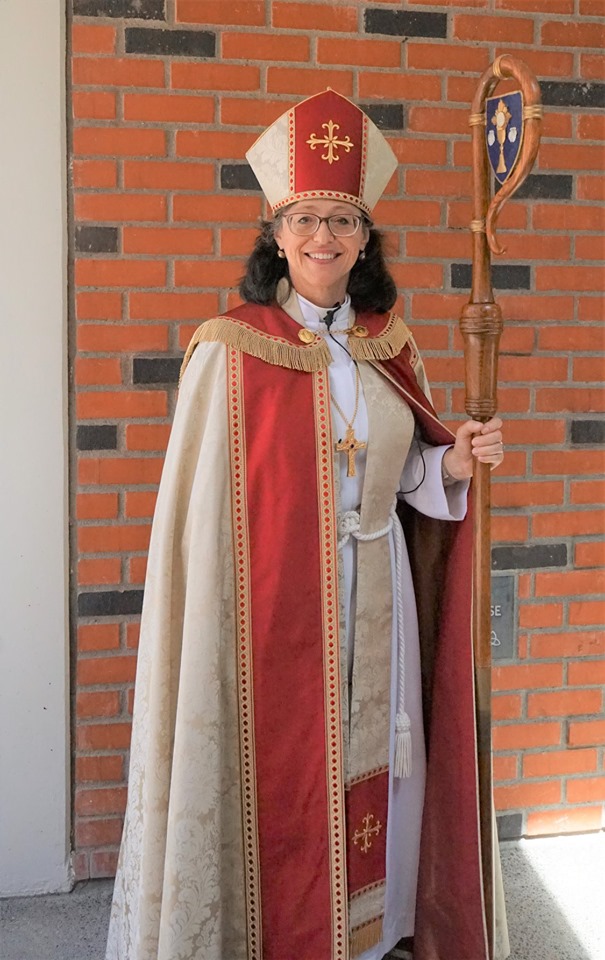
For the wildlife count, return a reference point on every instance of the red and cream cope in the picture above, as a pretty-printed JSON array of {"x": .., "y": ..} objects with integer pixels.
[{"x": 324, "y": 148}]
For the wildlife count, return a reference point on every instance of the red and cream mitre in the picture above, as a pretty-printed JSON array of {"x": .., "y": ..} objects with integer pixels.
[{"x": 324, "y": 148}]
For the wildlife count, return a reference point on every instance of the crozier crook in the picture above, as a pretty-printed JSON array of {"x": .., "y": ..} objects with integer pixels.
[{"x": 481, "y": 327}]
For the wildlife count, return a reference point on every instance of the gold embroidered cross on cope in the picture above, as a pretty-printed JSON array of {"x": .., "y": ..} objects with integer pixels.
[
  {"x": 330, "y": 141},
  {"x": 367, "y": 831}
]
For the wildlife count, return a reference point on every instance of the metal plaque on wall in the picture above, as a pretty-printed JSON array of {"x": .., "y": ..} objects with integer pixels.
[{"x": 503, "y": 618}]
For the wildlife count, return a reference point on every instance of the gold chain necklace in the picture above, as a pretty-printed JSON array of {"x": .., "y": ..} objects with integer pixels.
[{"x": 350, "y": 444}]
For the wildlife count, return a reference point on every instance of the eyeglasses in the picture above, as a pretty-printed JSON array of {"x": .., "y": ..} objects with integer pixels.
[{"x": 339, "y": 225}]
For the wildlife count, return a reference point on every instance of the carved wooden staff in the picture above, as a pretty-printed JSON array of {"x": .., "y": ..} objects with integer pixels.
[{"x": 481, "y": 326}]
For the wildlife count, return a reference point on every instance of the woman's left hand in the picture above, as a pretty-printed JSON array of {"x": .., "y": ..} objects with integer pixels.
[{"x": 474, "y": 440}]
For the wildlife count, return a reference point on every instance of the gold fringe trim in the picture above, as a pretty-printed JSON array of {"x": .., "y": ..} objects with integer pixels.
[
  {"x": 281, "y": 353},
  {"x": 388, "y": 344},
  {"x": 366, "y": 936}
]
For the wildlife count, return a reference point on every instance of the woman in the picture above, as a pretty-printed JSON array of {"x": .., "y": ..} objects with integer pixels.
[{"x": 280, "y": 801}]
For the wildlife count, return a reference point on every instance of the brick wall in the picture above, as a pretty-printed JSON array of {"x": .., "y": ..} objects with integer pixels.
[{"x": 165, "y": 99}]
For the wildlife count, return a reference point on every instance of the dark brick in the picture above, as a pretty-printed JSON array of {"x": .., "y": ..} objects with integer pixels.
[
  {"x": 405, "y": 23},
  {"x": 238, "y": 176},
  {"x": 156, "y": 369},
  {"x": 171, "y": 43},
  {"x": 588, "y": 431},
  {"x": 505, "y": 276},
  {"x": 544, "y": 186},
  {"x": 559, "y": 93},
  {"x": 97, "y": 437},
  {"x": 529, "y": 557},
  {"x": 510, "y": 826},
  {"x": 109, "y": 603},
  {"x": 136, "y": 9},
  {"x": 97, "y": 239},
  {"x": 386, "y": 116}
]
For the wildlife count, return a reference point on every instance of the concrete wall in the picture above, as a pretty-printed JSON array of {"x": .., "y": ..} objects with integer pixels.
[{"x": 34, "y": 670}]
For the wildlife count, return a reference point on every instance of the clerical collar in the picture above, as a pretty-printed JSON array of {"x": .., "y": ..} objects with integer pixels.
[{"x": 313, "y": 315}]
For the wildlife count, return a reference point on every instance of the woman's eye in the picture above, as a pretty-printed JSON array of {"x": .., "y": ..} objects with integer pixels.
[
  {"x": 342, "y": 221},
  {"x": 303, "y": 219}
]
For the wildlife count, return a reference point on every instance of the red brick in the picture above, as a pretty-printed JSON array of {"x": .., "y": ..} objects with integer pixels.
[
  {"x": 303, "y": 16},
  {"x": 437, "y": 306},
  {"x": 586, "y": 790},
  {"x": 104, "y": 703},
  {"x": 140, "y": 503},
  {"x": 103, "y": 863},
  {"x": 86, "y": 38},
  {"x": 214, "y": 76},
  {"x": 97, "y": 405},
  {"x": 425, "y": 151},
  {"x": 586, "y": 733},
  {"x": 104, "y": 800},
  {"x": 590, "y": 188},
  {"x": 570, "y": 582},
  {"x": 250, "y": 12},
  {"x": 535, "y": 432},
  {"x": 120, "y": 273},
  {"x": 258, "y": 46},
  {"x": 113, "y": 338},
  {"x": 91, "y": 305},
  {"x": 505, "y": 768},
  {"x": 564, "y": 703},
  {"x": 568, "y": 524},
  {"x": 122, "y": 142},
  {"x": 99, "y": 571},
  {"x": 546, "y": 64},
  {"x": 558, "y": 763},
  {"x": 507, "y": 494},
  {"x": 587, "y": 491},
  {"x": 133, "y": 631},
  {"x": 513, "y": 217},
  {"x": 220, "y": 209},
  {"x": 510, "y": 529},
  {"x": 524, "y": 795},
  {"x": 113, "y": 539},
  {"x": 98, "y": 833},
  {"x": 567, "y": 462},
  {"x": 438, "y": 120},
  {"x": 590, "y": 248},
  {"x": 306, "y": 82},
  {"x": 592, "y": 8},
  {"x": 94, "y": 173},
  {"x": 137, "y": 568},
  {"x": 527, "y": 676},
  {"x": 96, "y": 506},
  {"x": 93, "y": 105},
  {"x": 363, "y": 53},
  {"x": 568, "y": 278},
  {"x": 576, "y": 644},
  {"x": 592, "y": 66},
  {"x": 537, "y": 6},
  {"x": 591, "y": 308},
  {"x": 173, "y": 306},
  {"x": 208, "y": 273},
  {"x": 591, "y": 127},
  {"x": 141, "y": 436},
  {"x": 251, "y": 113},
  {"x": 506, "y": 706},
  {"x": 523, "y": 369},
  {"x": 559, "y": 33},
  {"x": 566, "y": 216},
  {"x": 400, "y": 86},
  {"x": 518, "y": 307},
  {"x": 105, "y": 736},
  {"x": 223, "y": 146},
  {"x": 99, "y": 670},
  {"x": 565, "y": 820},
  {"x": 568, "y": 339},
  {"x": 119, "y": 206},
  {"x": 117, "y": 72},
  {"x": 413, "y": 213},
  {"x": 496, "y": 29},
  {"x": 237, "y": 242},
  {"x": 431, "y": 337},
  {"x": 99, "y": 636},
  {"x": 118, "y": 470},
  {"x": 97, "y": 371},
  {"x": 417, "y": 275},
  {"x": 168, "y": 175},
  {"x": 540, "y": 615},
  {"x": 452, "y": 245},
  {"x": 521, "y": 736},
  {"x": 166, "y": 240},
  {"x": 445, "y": 56},
  {"x": 586, "y": 674},
  {"x": 589, "y": 554},
  {"x": 445, "y": 369},
  {"x": 588, "y": 369},
  {"x": 563, "y": 156},
  {"x": 168, "y": 108}
]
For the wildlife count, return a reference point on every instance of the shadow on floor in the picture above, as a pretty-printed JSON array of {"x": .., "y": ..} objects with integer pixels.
[{"x": 553, "y": 893}]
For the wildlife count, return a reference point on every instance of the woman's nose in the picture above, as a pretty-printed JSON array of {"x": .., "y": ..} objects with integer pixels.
[{"x": 323, "y": 232}]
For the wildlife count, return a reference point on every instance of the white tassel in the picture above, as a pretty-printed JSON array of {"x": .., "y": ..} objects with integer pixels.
[{"x": 403, "y": 746}]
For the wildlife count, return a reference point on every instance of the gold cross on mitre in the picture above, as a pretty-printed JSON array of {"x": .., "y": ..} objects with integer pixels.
[
  {"x": 365, "y": 834},
  {"x": 330, "y": 141},
  {"x": 350, "y": 445}
]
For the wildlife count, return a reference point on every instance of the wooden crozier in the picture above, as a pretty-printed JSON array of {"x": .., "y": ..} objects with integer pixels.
[{"x": 481, "y": 326}]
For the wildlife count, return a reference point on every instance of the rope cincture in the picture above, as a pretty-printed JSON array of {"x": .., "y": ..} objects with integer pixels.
[{"x": 349, "y": 526}]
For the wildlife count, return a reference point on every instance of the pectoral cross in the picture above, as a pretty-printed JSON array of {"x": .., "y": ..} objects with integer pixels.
[{"x": 350, "y": 445}]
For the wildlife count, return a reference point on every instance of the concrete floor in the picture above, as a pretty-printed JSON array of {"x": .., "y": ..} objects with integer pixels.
[{"x": 555, "y": 891}]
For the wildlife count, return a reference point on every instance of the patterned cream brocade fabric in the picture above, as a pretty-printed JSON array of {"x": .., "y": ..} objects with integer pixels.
[{"x": 180, "y": 892}]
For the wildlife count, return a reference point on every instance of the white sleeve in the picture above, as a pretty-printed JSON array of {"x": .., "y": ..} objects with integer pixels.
[{"x": 421, "y": 484}]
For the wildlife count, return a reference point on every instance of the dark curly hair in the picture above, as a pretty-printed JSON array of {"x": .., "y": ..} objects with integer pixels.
[{"x": 371, "y": 286}]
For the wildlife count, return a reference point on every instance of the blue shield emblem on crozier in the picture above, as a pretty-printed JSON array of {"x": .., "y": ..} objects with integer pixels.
[{"x": 504, "y": 132}]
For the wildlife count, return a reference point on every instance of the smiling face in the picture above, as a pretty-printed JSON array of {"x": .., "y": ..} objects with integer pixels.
[{"x": 320, "y": 265}]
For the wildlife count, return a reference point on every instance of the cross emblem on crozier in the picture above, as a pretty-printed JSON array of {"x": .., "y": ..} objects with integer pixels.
[
  {"x": 330, "y": 141},
  {"x": 350, "y": 445},
  {"x": 368, "y": 830}
]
